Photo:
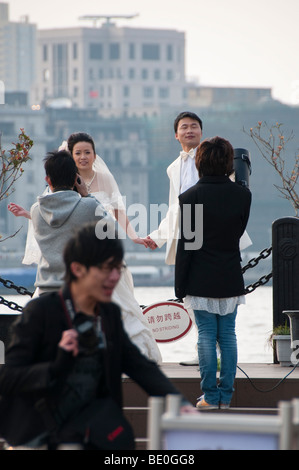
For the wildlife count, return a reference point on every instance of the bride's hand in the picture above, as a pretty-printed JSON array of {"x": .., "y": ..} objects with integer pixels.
[
  {"x": 18, "y": 211},
  {"x": 141, "y": 241}
]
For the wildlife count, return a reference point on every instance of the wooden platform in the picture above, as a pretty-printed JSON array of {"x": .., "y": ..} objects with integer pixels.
[{"x": 260, "y": 396}]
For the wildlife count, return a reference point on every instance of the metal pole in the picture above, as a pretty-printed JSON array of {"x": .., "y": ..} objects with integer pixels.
[
  {"x": 156, "y": 409},
  {"x": 286, "y": 416},
  {"x": 295, "y": 403},
  {"x": 173, "y": 403}
]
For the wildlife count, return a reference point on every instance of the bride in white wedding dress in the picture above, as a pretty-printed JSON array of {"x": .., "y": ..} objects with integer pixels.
[{"x": 102, "y": 185}]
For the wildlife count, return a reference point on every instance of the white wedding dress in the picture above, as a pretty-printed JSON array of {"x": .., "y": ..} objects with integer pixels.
[{"x": 134, "y": 322}]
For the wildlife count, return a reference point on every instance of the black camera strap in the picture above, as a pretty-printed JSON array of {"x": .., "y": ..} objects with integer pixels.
[
  {"x": 70, "y": 313},
  {"x": 68, "y": 306}
]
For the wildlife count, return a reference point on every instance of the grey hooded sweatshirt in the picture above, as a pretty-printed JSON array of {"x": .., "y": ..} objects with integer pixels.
[{"x": 55, "y": 216}]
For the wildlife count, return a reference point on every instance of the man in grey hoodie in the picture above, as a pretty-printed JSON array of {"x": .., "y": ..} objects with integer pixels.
[{"x": 57, "y": 214}]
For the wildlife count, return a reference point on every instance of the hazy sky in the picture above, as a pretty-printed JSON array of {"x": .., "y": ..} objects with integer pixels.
[{"x": 228, "y": 42}]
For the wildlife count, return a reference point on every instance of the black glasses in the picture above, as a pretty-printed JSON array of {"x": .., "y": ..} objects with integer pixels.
[{"x": 107, "y": 268}]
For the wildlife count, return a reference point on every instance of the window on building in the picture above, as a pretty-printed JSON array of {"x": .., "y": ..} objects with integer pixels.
[
  {"x": 7, "y": 128},
  {"x": 126, "y": 91},
  {"x": 60, "y": 70},
  {"x": 151, "y": 52},
  {"x": 180, "y": 55},
  {"x": 75, "y": 74},
  {"x": 157, "y": 74},
  {"x": 114, "y": 51},
  {"x": 131, "y": 73},
  {"x": 169, "y": 75},
  {"x": 75, "y": 50},
  {"x": 45, "y": 53},
  {"x": 169, "y": 52},
  {"x": 144, "y": 74},
  {"x": 164, "y": 92},
  {"x": 46, "y": 75},
  {"x": 131, "y": 51},
  {"x": 148, "y": 92},
  {"x": 96, "y": 51}
]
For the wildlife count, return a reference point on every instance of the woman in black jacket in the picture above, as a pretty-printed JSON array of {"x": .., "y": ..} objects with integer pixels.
[{"x": 208, "y": 274}]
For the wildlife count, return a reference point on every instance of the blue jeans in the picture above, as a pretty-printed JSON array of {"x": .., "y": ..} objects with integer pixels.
[{"x": 212, "y": 329}]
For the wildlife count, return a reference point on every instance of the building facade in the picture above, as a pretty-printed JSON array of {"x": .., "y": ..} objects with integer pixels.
[
  {"x": 17, "y": 53},
  {"x": 113, "y": 69}
]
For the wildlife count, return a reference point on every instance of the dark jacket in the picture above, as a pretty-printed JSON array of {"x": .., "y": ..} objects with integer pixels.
[
  {"x": 214, "y": 270},
  {"x": 28, "y": 374}
]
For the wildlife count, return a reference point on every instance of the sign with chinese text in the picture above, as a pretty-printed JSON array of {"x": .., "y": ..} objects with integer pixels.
[{"x": 169, "y": 321}]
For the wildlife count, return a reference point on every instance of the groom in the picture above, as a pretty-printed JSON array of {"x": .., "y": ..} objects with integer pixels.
[{"x": 182, "y": 175}]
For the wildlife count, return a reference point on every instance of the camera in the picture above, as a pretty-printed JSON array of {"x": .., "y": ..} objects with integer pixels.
[{"x": 90, "y": 339}]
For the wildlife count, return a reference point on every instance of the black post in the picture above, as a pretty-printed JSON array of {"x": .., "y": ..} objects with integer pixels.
[
  {"x": 285, "y": 267},
  {"x": 242, "y": 166}
]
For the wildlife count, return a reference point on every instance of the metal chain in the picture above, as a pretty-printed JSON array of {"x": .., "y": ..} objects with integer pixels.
[
  {"x": 11, "y": 305},
  {"x": 250, "y": 288},
  {"x": 261, "y": 282},
  {"x": 254, "y": 261},
  {"x": 20, "y": 289},
  {"x": 251, "y": 264},
  {"x": 10, "y": 285}
]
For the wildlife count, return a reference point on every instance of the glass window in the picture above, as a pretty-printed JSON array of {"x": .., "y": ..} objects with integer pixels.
[
  {"x": 75, "y": 50},
  {"x": 126, "y": 91},
  {"x": 169, "y": 52},
  {"x": 164, "y": 92},
  {"x": 169, "y": 75},
  {"x": 144, "y": 74},
  {"x": 60, "y": 70},
  {"x": 148, "y": 92},
  {"x": 45, "y": 53},
  {"x": 131, "y": 51},
  {"x": 114, "y": 51},
  {"x": 157, "y": 74},
  {"x": 46, "y": 75},
  {"x": 150, "y": 52},
  {"x": 96, "y": 51},
  {"x": 131, "y": 73}
]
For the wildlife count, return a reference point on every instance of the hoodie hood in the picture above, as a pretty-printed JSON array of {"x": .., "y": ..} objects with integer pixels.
[{"x": 56, "y": 208}]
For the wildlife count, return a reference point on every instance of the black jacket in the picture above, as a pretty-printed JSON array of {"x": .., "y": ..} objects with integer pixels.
[
  {"x": 27, "y": 375},
  {"x": 214, "y": 270}
]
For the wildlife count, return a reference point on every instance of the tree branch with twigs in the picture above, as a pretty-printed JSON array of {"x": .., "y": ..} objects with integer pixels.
[
  {"x": 271, "y": 142},
  {"x": 11, "y": 163}
]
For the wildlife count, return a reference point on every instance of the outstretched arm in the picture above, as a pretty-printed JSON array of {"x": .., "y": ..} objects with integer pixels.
[
  {"x": 124, "y": 222},
  {"x": 18, "y": 211}
]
